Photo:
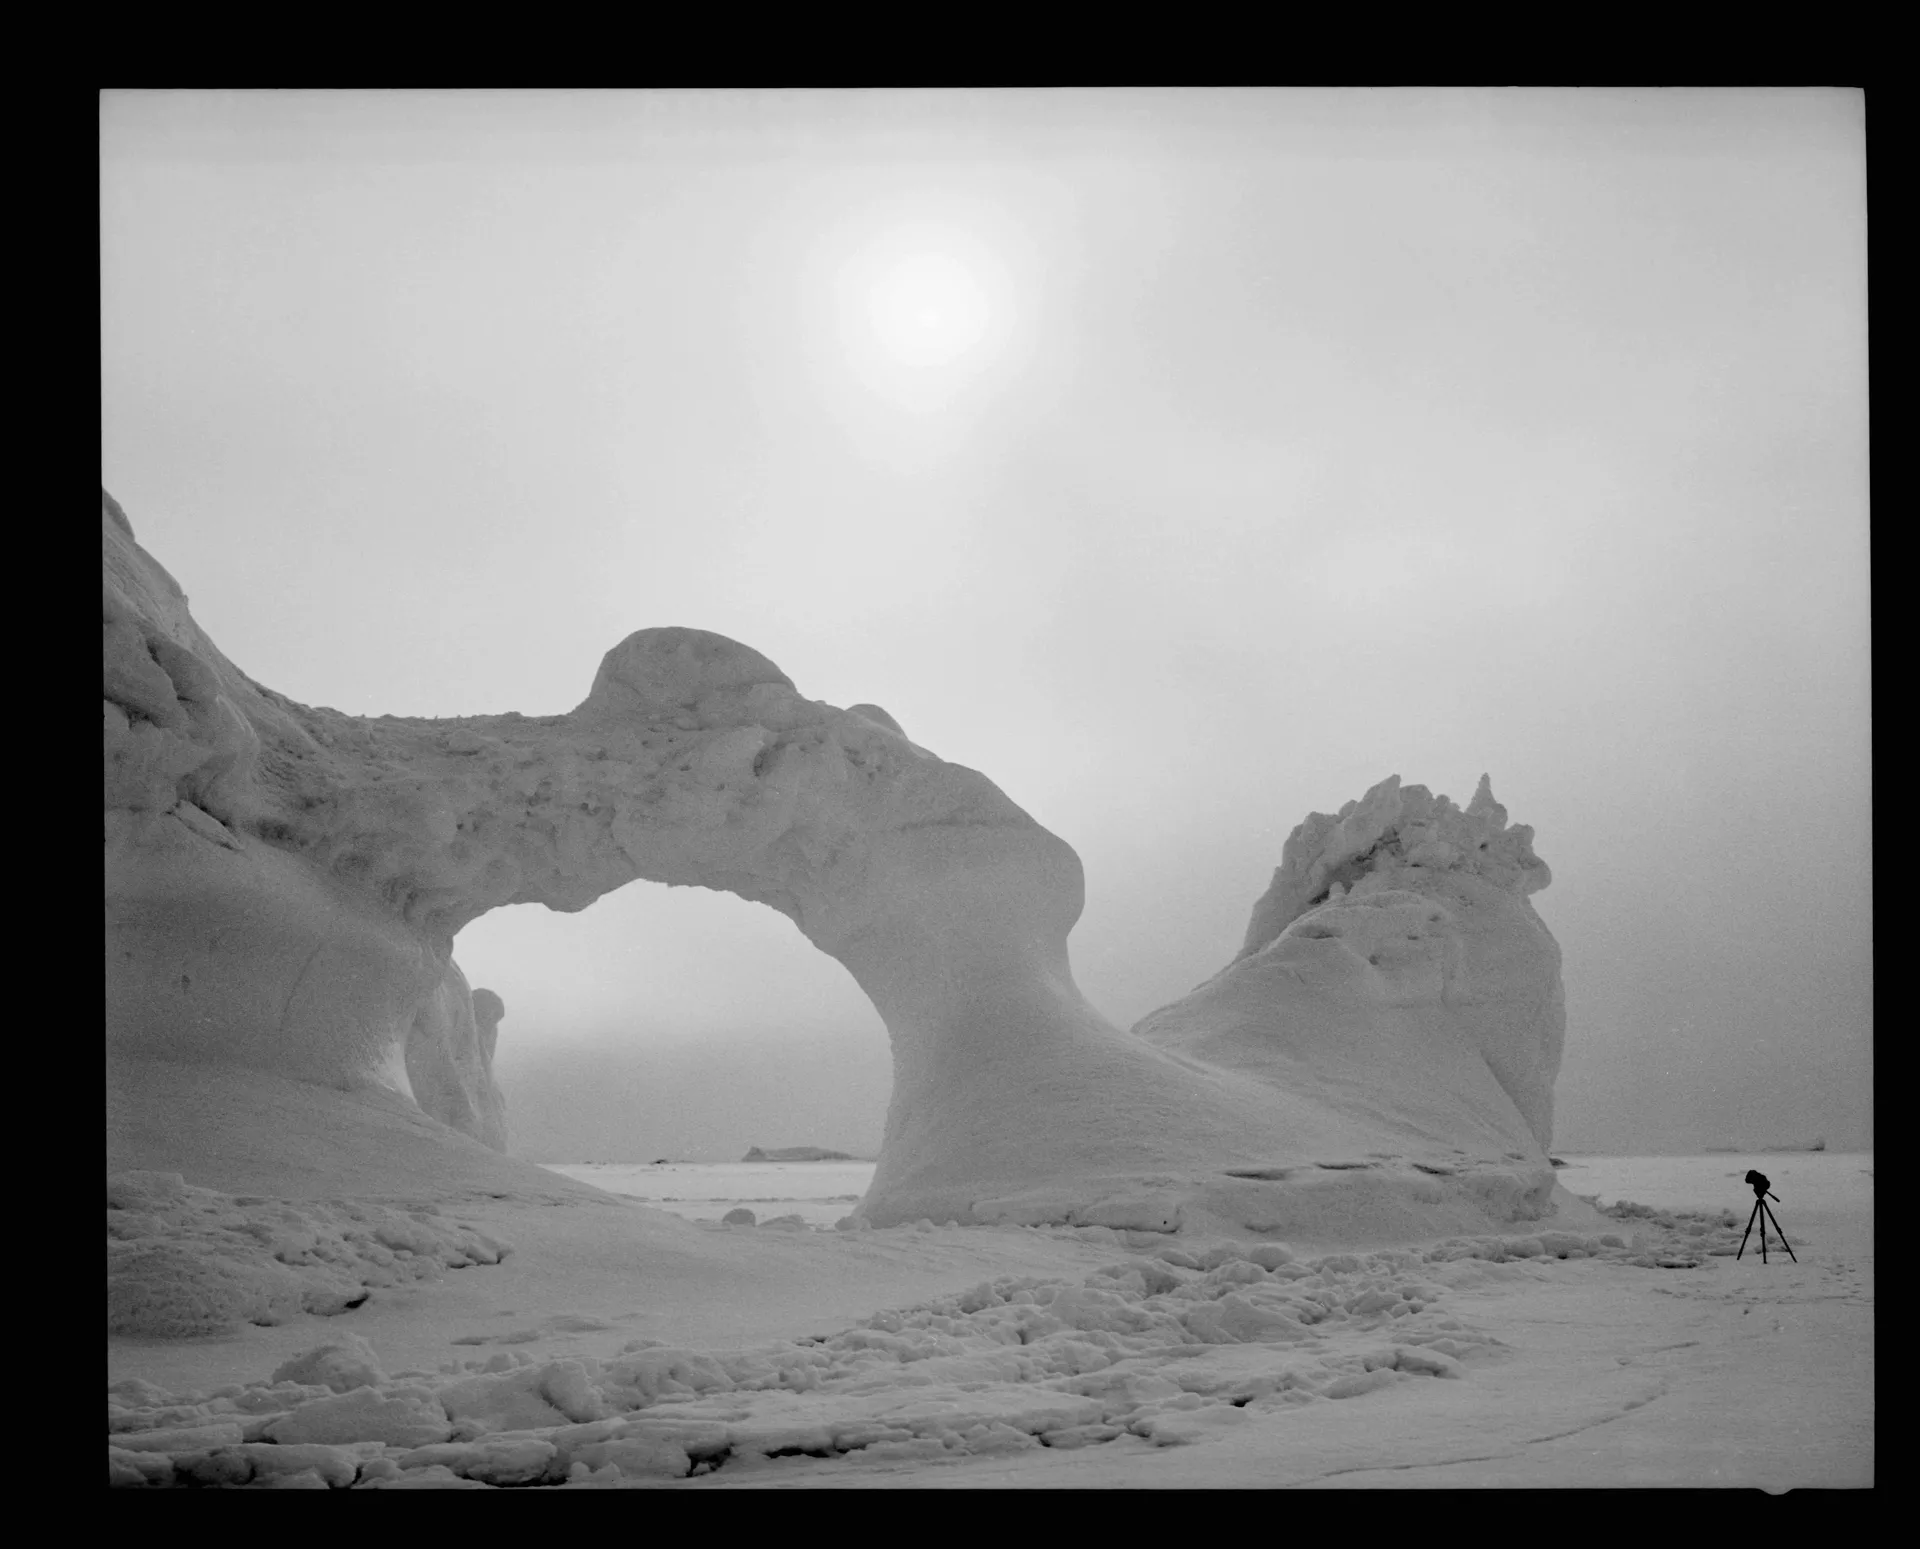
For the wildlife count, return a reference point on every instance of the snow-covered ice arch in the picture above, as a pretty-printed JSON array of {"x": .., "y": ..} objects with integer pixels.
[{"x": 285, "y": 884}]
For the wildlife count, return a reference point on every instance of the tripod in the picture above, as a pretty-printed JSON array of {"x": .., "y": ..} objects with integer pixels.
[{"x": 1763, "y": 1215}]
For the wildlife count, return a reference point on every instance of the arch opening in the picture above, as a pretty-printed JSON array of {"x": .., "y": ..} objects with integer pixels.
[{"x": 675, "y": 1021}]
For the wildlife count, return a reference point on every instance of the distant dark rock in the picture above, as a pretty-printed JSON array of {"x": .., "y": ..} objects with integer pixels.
[
  {"x": 1557, "y": 1162},
  {"x": 796, "y": 1154}
]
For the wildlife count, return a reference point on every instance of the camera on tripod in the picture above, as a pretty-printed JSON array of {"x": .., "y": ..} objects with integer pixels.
[{"x": 1762, "y": 1186}]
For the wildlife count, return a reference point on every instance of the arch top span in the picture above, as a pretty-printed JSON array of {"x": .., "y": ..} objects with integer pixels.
[{"x": 693, "y": 760}]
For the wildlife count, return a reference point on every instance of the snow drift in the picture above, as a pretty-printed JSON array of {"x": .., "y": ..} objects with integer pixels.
[{"x": 285, "y": 884}]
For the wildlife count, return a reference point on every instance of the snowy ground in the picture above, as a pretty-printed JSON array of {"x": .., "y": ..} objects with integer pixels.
[{"x": 611, "y": 1345}]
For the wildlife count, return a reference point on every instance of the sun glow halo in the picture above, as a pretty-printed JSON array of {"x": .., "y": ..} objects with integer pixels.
[
  {"x": 925, "y": 311},
  {"x": 929, "y": 309}
]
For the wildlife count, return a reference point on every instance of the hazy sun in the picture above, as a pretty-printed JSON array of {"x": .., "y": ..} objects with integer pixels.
[
  {"x": 929, "y": 308},
  {"x": 926, "y": 310}
]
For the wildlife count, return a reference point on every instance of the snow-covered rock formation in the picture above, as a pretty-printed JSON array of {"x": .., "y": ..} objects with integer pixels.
[
  {"x": 1393, "y": 966},
  {"x": 285, "y": 884}
]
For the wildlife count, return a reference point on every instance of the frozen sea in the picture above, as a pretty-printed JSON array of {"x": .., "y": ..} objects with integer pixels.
[
  {"x": 822, "y": 1192},
  {"x": 1813, "y": 1180}
]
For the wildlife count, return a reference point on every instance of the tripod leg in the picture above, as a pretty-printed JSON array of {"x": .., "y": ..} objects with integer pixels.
[
  {"x": 1749, "y": 1231},
  {"x": 1783, "y": 1237},
  {"x": 1763, "y": 1231}
]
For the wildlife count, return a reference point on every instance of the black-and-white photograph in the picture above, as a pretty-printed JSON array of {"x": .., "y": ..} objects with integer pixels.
[{"x": 1076, "y": 788}]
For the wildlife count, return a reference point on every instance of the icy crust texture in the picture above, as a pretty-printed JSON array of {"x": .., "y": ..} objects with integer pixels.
[
  {"x": 186, "y": 1263},
  {"x": 1394, "y": 830},
  {"x": 1010, "y": 1365},
  {"x": 285, "y": 883}
]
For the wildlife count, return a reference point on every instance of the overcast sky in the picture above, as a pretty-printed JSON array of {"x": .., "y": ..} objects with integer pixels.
[{"x": 1185, "y": 461}]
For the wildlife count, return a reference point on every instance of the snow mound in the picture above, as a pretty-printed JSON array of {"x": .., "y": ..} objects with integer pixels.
[
  {"x": 185, "y": 1262},
  {"x": 340, "y": 1365}
]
